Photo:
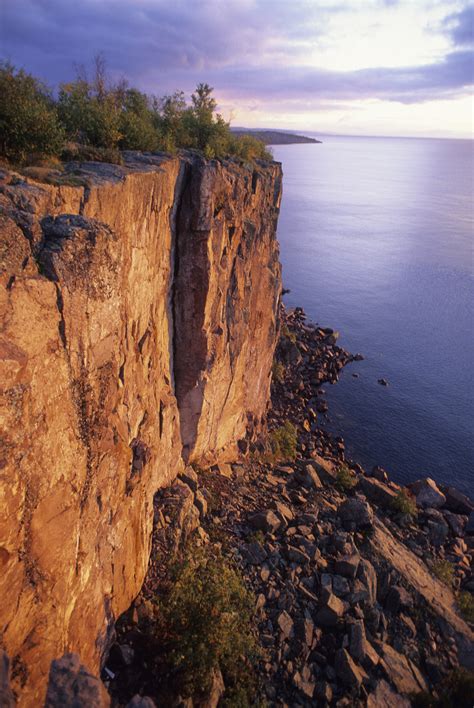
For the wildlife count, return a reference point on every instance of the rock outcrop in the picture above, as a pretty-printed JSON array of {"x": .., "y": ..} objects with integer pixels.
[{"x": 138, "y": 324}]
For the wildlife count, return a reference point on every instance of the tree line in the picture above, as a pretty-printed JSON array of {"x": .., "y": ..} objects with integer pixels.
[{"x": 94, "y": 119}]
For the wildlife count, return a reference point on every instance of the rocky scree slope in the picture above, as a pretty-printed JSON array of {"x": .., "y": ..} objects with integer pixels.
[{"x": 135, "y": 303}]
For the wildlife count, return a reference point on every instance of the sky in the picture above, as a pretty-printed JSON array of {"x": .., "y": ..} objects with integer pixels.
[{"x": 367, "y": 67}]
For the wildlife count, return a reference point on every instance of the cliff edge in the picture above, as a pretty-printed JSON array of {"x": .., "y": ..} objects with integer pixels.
[{"x": 138, "y": 326}]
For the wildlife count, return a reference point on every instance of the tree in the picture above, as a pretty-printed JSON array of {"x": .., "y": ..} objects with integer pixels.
[{"x": 28, "y": 118}]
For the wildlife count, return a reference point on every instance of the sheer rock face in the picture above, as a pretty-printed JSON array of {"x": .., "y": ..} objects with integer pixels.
[{"x": 135, "y": 312}]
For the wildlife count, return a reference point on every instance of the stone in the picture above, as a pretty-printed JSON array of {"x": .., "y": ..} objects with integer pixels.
[
  {"x": 286, "y": 624},
  {"x": 71, "y": 684},
  {"x": 367, "y": 575},
  {"x": 383, "y": 696},
  {"x": 458, "y": 502},
  {"x": 401, "y": 672},
  {"x": 437, "y": 533},
  {"x": 379, "y": 493},
  {"x": 456, "y": 522},
  {"x": 190, "y": 478},
  {"x": 305, "y": 685},
  {"x": 266, "y": 521},
  {"x": 346, "y": 670},
  {"x": 216, "y": 690},
  {"x": 325, "y": 469},
  {"x": 348, "y": 565},
  {"x": 141, "y": 702},
  {"x": 358, "y": 641},
  {"x": 7, "y": 699},
  {"x": 323, "y": 691},
  {"x": 329, "y": 614},
  {"x": 295, "y": 555},
  {"x": 304, "y": 631},
  {"x": 398, "y": 598},
  {"x": 284, "y": 510},
  {"x": 427, "y": 493},
  {"x": 357, "y": 512},
  {"x": 200, "y": 502},
  {"x": 470, "y": 524},
  {"x": 310, "y": 477}
]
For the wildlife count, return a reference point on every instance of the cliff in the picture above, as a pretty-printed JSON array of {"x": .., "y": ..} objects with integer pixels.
[{"x": 138, "y": 325}]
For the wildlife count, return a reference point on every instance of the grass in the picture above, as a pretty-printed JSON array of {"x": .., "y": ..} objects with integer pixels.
[
  {"x": 466, "y": 606},
  {"x": 404, "y": 503},
  {"x": 284, "y": 441},
  {"x": 345, "y": 479},
  {"x": 278, "y": 372},
  {"x": 444, "y": 571},
  {"x": 206, "y": 622}
]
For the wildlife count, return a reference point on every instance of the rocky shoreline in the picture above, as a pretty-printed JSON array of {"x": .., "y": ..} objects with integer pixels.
[{"x": 363, "y": 588}]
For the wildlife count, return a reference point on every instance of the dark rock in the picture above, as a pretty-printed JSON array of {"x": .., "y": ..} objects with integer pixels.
[
  {"x": 348, "y": 565},
  {"x": 398, "y": 598},
  {"x": 400, "y": 671},
  {"x": 266, "y": 521},
  {"x": 437, "y": 533},
  {"x": 456, "y": 522},
  {"x": 7, "y": 699},
  {"x": 286, "y": 624},
  {"x": 427, "y": 493},
  {"x": 378, "y": 492},
  {"x": 358, "y": 641},
  {"x": 457, "y": 502},
  {"x": 382, "y": 382},
  {"x": 383, "y": 696},
  {"x": 349, "y": 673},
  {"x": 357, "y": 512},
  {"x": 141, "y": 702},
  {"x": 190, "y": 478},
  {"x": 325, "y": 470},
  {"x": 367, "y": 575},
  {"x": 323, "y": 691},
  {"x": 70, "y": 684},
  {"x": 329, "y": 614}
]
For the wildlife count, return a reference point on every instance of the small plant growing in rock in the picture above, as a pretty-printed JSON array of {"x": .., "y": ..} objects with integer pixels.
[
  {"x": 466, "y": 605},
  {"x": 283, "y": 441},
  {"x": 285, "y": 332},
  {"x": 444, "y": 571},
  {"x": 278, "y": 372},
  {"x": 403, "y": 503},
  {"x": 345, "y": 480},
  {"x": 205, "y": 620}
]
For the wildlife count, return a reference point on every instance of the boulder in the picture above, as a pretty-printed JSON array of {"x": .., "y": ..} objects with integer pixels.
[
  {"x": 7, "y": 699},
  {"x": 402, "y": 672},
  {"x": 286, "y": 624},
  {"x": 367, "y": 575},
  {"x": 458, "y": 502},
  {"x": 347, "y": 565},
  {"x": 71, "y": 684},
  {"x": 346, "y": 670},
  {"x": 383, "y": 696},
  {"x": 427, "y": 493},
  {"x": 379, "y": 493},
  {"x": 357, "y": 512},
  {"x": 325, "y": 469},
  {"x": 266, "y": 521},
  {"x": 329, "y": 614}
]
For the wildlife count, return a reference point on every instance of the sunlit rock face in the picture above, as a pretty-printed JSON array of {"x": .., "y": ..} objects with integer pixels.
[{"x": 138, "y": 324}]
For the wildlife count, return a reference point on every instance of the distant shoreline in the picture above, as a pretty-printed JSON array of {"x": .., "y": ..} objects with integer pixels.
[{"x": 276, "y": 137}]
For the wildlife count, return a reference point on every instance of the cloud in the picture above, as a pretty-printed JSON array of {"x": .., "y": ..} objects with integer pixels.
[
  {"x": 460, "y": 26},
  {"x": 162, "y": 46}
]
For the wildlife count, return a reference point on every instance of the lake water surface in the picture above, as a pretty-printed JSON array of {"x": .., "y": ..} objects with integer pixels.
[{"x": 377, "y": 242}]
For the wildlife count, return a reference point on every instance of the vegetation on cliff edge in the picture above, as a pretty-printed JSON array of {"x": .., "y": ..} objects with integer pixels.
[{"x": 93, "y": 119}]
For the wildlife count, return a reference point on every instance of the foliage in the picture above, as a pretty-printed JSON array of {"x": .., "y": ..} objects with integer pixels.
[
  {"x": 345, "y": 479},
  {"x": 285, "y": 332},
  {"x": 455, "y": 691},
  {"x": 206, "y": 622},
  {"x": 404, "y": 503},
  {"x": 283, "y": 441},
  {"x": 466, "y": 605},
  {"x": 93, "y": 119},
  {"x": 28, "y": 117},
  {"x": 444, "y": 571},
  {"x": 278, "y": 372}
]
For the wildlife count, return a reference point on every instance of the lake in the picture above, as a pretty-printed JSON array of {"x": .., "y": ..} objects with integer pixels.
[{"x": 376, "y": 241}]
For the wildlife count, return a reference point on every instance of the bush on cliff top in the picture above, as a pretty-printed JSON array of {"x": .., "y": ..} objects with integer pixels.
[
  {"x": 284, "y": 441},
  {"x": 99, "y": 116}
]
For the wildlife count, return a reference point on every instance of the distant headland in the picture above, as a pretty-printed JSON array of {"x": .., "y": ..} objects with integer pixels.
[{"x": 274, "y": 137}]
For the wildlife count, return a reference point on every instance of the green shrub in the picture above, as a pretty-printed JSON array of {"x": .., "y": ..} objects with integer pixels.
[
  {"x": 284, "y": 441},
  {"x": 466, "y": 605},
  {"x": 455, "y": 691},
  {"x": 285, "y": 332},
  {"x": 345, "y": 479},
  {"x": 404, "y": 503},
  {"x": 28, "y": 118},
  {"x": 444, "y": 571},
  {"x": 278, "y": 372},
  {"x": 206, "y": 622}
]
